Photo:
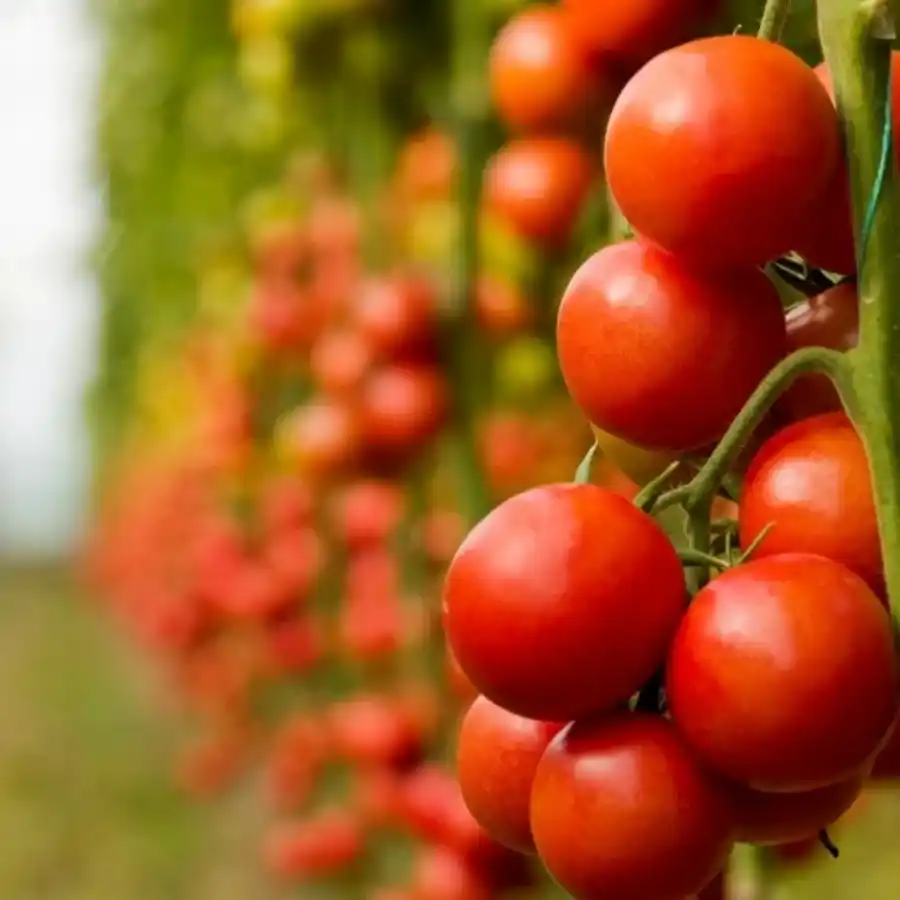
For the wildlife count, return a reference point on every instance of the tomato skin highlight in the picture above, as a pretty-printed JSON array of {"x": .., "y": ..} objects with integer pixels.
[
  {"x": 783, "y": 675},
  {"x": 563, "y": 601},
  {"x": 496, "y": 757},
  {"x": 540, "y": 80},
  {"x": 772, "y": 819},
  {"x": 620, "y": 808},
  {"x": 695, "y": 346},
  {"x": 724, "y": 150},
  {"x": 830, "y": 319},
  {"x": 811, "y": 483},
  {"x": 538, "y": 186}
]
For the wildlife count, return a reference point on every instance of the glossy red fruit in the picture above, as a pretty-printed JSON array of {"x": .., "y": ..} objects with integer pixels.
[
  {"x": 501, "y": 307},
  {"x": 396, "y": 316},
  {"x": 701, "y": 154},
  {"x": 830, "y": 319},
  {"x": 540, "y": 80},
  {"x": 339, "y": 361},
  {"x": 373, "y": 731},
  {"x": 765, "y": 818},
  {"x": 496, "y": 757},
  {"x": 321, "y": 438},
  {"x": 887, "y": 763},
  {"x": 538, "y": 186},
  {"x": 441, "y": 874},
  {"x": 620, "y": 808},
  {"x": 660, "y": 355},
  {"x": 783, "y": 674},
  {"x": 367, "y": 513},
  {"x": 626, "y": 35},
  {"x": 562, "y": 602},
  {"x": 402, "y": 408},
  {"x": 811, "y": 484},
  {"x": 323, "y": 844}
]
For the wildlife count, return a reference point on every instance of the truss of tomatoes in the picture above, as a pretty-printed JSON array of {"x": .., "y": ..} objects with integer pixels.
[{"x": 629, "y": 733}]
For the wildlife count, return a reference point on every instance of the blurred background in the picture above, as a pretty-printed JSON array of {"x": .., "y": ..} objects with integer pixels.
[{"x": 223, "y": 514}]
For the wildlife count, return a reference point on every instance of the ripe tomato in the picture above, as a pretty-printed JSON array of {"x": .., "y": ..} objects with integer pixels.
[
  {"x": 441, "y": 874},
  {"x": 402, "y": 407},
  {"x": 811, "y": 482},
  {"x": 324, "y": 843},
  {"x": 496, "y": 757},
  {"x": 660, "y": 355},
  {"x": 373, "y": 731},
  {"x": 367, "y": 512},
  {"x": 320, "y": 438},
  {"x": 621, "y": 809},
  {"x": 765, "y": 818},
  {"x": 286, "y": 504},
  {"x": 426, "y": 168},
  {"x": 538, "y": 186},
  {"x": 502, "y": 307},
  {"x": 831, "y": 320},
  {"x": 705, "y": 159},
  {"x": 396, "y": 316},
  {"x": 626, "y": 35},
  {"x": 783, "y": 674},
  {"x": 562, "y": 602},
  {"x": 887, "y": 764},
  {"x": 339, "y": 361},
  {"x": 540, "y": 80}
]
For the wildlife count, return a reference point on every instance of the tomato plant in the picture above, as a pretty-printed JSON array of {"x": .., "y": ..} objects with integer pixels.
[
  {"x": 632, "y": 302},
  {"x": 724, "y": 149},
  {"x": 783, "y": 674}
]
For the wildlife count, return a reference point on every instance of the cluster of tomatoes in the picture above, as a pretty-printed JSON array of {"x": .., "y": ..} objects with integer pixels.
[{"x": 629, "y": 733}]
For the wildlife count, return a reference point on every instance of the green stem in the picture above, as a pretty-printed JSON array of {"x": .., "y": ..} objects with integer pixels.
[
  {"x": 700, "y": 559},
  {"x": 774, "y": 18},
  {"x": 856, "y": 38},
  {"x": 750, "y": 875},
  {"x": 697, "y": 497}
]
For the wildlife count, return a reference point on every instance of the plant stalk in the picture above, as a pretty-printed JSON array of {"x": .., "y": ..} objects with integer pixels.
[
  {"x": 774, "y": 18},
  {"x": 856, "y": 38}
]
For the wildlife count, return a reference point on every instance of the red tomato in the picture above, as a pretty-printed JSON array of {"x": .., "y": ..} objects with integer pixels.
[
  {"x": 339, "y": 361},
  {"x": 661, "y": 356},
  {"x": 373, "y": 731},
  {"x": 887, "y": 764},
  {"x": 402, "y": 408},
  {"x": 321, "y": 437},
  {"x": 368, "y": 512},
  {"x": 280, "y": 316},
  {"x": 426, "y": 168},
  {"x": 831, "y": 320},
  {"x": 440, "y": 874},
  {"x": 626, "y": 35},
  {"x": 286, "y": 503},
  {"x": 496, "y": 757},
  {"x": 502, "y": 308},
  {"x": 787, "y": 818},
  {"x": 811, "y": 482},
  {"x": 396, "y": 316},
  {"x": 783, "y": 674},
  {"x": 705, "y": 159},
  {"x": 621, "y": 809},
  {"x": 540, "y": 80},
  {"x": 325, "y": 843},
  {"x": 460, "y": 683},
  {"x": 562, "y": 602},
  {"x": 538, "y": 186}
]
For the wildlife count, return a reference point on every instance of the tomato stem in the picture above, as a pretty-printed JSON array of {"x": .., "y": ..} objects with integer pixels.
[
  {"x": 856, "y": 40},
  {"x": 705, "y": 560},
  {"x": 775, "y": 16},
  {"x": 698, "y": 495}
]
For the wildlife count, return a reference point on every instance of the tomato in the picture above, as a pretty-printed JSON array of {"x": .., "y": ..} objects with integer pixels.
[
  {"x": 325, "y": 843},
  {"x": 319, "y": 438},
  {"x": 402, "y": 408},
  {"x": 501, "y": 307},
  {"x": 538, "y": 186},
  {"x": 765, "y": 818},
  {"x": 441, "y": 874},
  {"x": 540, "y": 80},
  {"x": 287, "y": 503},
  {"x": 621, "y": 809},
  {"x": 373, "y": 731},
  {"x": 626, "y": 35},
  {"x": 339, "y": 361},
  {"x": 811, "y": 483},
  {"x": 562, "y": 602},
  {"x": 368, "y": 512},
  {"x": 296, "y": 558},
  {"x": 460, "y": 683},
  {"x": 660, "y": 355},
  {"x": 396, "y": 316},
  {"x": 783, "y": 674},
  {"x": 427, "y": 166},
  {"x": 496, "y": 757},
  {"x": 831, "y": 320},
  {"x": 705, "y": 159}
]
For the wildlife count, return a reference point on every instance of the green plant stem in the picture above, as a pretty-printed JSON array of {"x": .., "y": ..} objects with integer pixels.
[
  {"x": 750, "y": 875},
  {"x": 471, "y": 40},
  {"x": 698, "y": 558},
  {"x": 698, "y": 495},
  {"x": 775, "y": 15},
  {"x": 855, "y": 36}
]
